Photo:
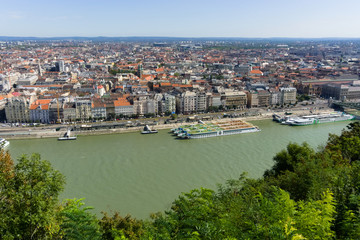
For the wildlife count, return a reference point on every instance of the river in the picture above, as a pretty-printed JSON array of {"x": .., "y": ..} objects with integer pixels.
[{"x": 141, "y": 174}]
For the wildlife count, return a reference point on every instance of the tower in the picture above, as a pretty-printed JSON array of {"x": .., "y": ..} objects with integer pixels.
[
  {"x": 40, "y": 69},
  {"x": 61, "y": 66},
  {"x": 139, "y": 70}
]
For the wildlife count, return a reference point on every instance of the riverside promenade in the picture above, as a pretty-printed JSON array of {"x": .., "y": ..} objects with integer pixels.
[{"x": 49, "y": 131}]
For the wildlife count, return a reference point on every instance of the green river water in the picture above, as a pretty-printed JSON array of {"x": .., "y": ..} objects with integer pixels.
[{"x": 141, "y": 174}]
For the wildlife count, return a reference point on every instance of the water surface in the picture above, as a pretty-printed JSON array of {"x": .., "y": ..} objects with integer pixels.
[{"x": 141, "y": 174}]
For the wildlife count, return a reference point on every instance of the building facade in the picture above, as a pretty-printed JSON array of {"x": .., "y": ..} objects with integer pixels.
[
  {"x": 17, "y": 110},
  {"x": 288, "y": 95}
]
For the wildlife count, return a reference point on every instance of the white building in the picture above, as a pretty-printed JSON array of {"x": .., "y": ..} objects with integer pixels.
[
  {"x": 17, "y": 110},
  {"x": 27, "y": 79},
  {"x": 123, "y": 107},
  {"x": 145, "y": 105},
  {"x": 169, "y": 103},
  {"x": 288, "y": 95}
]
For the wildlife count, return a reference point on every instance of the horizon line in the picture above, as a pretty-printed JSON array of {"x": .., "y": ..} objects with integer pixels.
[{"x": 49, "y": 37}]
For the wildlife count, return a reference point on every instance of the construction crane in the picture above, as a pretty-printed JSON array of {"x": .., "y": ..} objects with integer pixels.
[{"x": 58, "y": 111}]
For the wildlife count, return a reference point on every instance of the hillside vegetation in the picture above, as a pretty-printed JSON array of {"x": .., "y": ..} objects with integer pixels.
[{"x": 307, "y": 194}]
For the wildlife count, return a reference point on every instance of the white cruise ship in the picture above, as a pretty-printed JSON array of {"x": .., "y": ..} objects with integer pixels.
[{"x": 322, "y": 118}]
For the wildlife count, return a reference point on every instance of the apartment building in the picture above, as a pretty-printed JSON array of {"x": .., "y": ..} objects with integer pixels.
[
  {"x": 169, "y": 103},
  {"x": 190, "y": 102},
  {"x": 98, "y": 109},
  {"x": 288, "y": 95},
  {"x": 263, "y": 98},
  {"x": 231, "y": 99},
  {"x": 69, "y": 111},
  {"x": 252, "y": 99},
  {"x": 83, "y": 108},
  {"x": 39, "y": 111},
  {"x": 17, "y": 110},
  {"x": 145, "y": 105},
  {"x": 123, "y": 107}
]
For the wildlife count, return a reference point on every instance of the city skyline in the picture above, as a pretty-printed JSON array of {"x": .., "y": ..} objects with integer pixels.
[{"x": 193, "y": 19}]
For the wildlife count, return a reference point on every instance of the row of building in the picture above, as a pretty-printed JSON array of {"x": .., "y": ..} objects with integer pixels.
[{"x": 31, "y": 109}]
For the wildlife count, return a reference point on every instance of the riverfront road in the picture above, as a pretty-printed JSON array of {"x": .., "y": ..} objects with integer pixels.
[{"x": 134, "y": 125}]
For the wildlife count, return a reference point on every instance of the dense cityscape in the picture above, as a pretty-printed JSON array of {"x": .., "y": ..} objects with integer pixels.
[
  {"x": 74, "y": 81},
  {"x": 171, "y": 120}
]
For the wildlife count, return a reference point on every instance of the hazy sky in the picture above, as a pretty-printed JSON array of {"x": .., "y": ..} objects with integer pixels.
[{"x": 180, "y": 18}]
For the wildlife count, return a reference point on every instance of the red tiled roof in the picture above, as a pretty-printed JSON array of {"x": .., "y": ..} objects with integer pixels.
[
  {"x": 165, "y": 84},
  {"x": 121, "y": 102},
  {"x": 33, "y": 106}
]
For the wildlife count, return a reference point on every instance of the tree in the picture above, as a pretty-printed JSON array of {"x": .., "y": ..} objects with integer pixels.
[
  {"x": 212, "y": 109},
  {"x": 193, "y": 215},
  {"x": 6, "y": 176},
  {"x": 110, "y": 116},
  {"x": 174, "y": 116},
  {"x": 286, "y": 160},
  {"x": 117, "y": 227},
  {"x": 31, "y": 195},
  {"x": 76, "y": 221},
  {"x": 348, "y": 143},
  {"x": 253, "y": 209},
  {"x": 149, "y": 115},
  {"x": 314, "y": 218}
]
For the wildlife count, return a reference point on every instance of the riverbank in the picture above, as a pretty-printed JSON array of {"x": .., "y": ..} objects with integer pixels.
[{"x": 50, "y": 132}]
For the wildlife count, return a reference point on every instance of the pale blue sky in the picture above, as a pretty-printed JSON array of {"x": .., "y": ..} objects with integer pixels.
[{"x": 185, "y": 18}]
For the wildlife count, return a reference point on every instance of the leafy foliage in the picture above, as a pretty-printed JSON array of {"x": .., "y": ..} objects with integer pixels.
[
  {"x": 307, "y": 194},
  {"x": 29, "y": 198},
  {"x": 77, "y": 223},
  {"x": 347, "y": 144},
  {"x": 117, "y": 227}
]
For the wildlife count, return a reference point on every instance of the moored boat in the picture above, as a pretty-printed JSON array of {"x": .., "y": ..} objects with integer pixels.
[
  {"x": 277, "y": 118},
  {"x": 315, "y": 119},
  {"x": 216, "y": 129},
  {"x": 148, "y": 130},
  {"x": 3, "y": 143},
  {"x": 67, "y": 136}
]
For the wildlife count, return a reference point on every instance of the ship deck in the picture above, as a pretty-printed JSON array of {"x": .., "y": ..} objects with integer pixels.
[{"x": 215, "y": 127}]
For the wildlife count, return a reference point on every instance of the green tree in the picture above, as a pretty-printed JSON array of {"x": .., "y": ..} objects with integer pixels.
[
  {"x": 256, "y": 210},
  {"x": 117, "y": 227},
  {"x": 77, "y": 223},
  {"x": 193, "y": 215},
  {"x": 348, "y": 143},
  {"x": 31, "y": 195},
  {"x": 6, "y": 176},
  {"x": 314, "y": 218},
  {"x": 174, "y": 116},
  {"x": 286, "y": 160}
]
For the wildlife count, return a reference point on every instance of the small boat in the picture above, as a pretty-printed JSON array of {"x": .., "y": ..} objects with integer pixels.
[
  {"x": 3, "y": 143},
  {"x": 277, "y": 118},
  {"x": 148, "y": 130},
  {"x": 67, "y": 136}
]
